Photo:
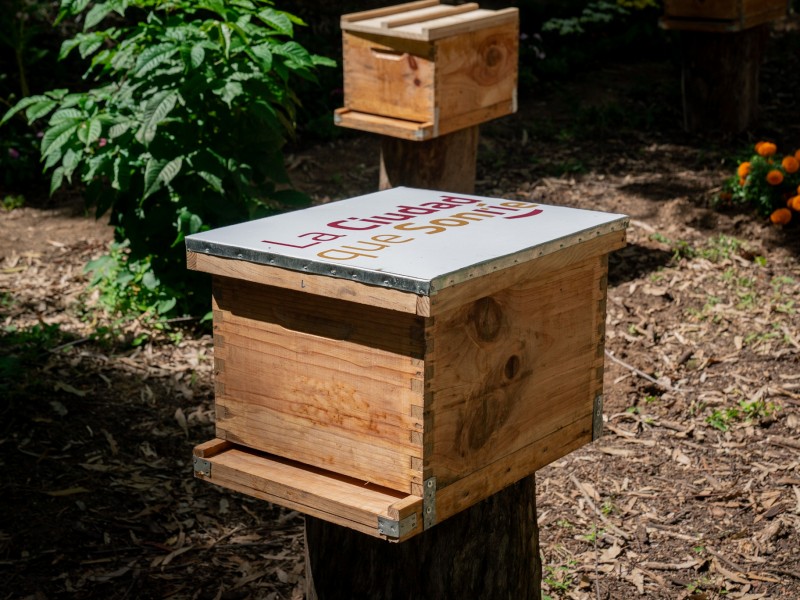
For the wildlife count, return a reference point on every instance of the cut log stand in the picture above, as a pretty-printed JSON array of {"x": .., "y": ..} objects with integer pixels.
[{"x": 722, "y": 47}]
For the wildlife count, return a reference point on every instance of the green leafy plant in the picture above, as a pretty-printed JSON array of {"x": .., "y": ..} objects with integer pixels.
[
  {"x": 12, "y": 201},
  {"x": 558, "y": 578},
  {"x": 182, "y": 131},
  {"x": 600, "y": 12}
]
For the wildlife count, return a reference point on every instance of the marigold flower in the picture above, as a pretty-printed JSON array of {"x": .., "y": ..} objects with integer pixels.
[
  {"x": 794, "y": 203},
  {"x": 781, "y": 216},
  {"x": 744, "y": 169},
  {"x": 774, "y": 177},
  {"x": 766, "y": 148},
  {"x": 790, "y": 164},
  {"x": 797, "y": 154}
]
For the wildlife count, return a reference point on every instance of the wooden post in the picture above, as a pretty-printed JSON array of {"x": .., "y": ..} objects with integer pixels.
[
  {"x": 489, "y": 551},
  {"x": 446, "y": 162},
  {"x": 719, "y": 80}
]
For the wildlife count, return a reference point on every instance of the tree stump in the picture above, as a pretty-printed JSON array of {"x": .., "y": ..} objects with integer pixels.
[
  {"x": 443, "y": 163},
  {"x": 489, "y": 551},
  {"x": 719, "y": 81}
]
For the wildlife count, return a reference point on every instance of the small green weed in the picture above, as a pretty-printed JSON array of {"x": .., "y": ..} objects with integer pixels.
[
  {"x": 593, "y": 534},
  {"x": 560, "y": 577},
  {"x": 745, "y": 411},
  {"x": 720, "y": 247},
  {"x": 721, "y": 419},
  {"x": 11, "y": 202}
]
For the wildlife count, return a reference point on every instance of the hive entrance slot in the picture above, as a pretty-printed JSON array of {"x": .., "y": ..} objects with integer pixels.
[{"x": 387, "y": 54}]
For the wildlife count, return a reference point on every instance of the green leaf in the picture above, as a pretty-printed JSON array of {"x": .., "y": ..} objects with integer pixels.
[
  {"x": 245, "y": 4},
  {"x": 94, "y": 129},
  {"x": 156, "y": 111},
  {"x": 121, "y": 178},
  {"x": 277, "y": 20},
  {"x": 90, "y": 45},
  {"x": 164, "y": 306},
  {"x": 213, "y": 180},
  {"x": 153, "y": 57},
  {"x": 40, "y": 109},
  {"x": 51, "y": 161},
  {"x": 231, "y": 91},
  {"x": 150, "y": 281},
  {"x": 197, "y": 55},
  {"x": 226, "y": 37},
  {"x": 56, "y": 136},
  {"x": 295, "y": 52},
  {"x": 151, "y": 172},
  {"x": 56, "y": 179},
  {"x": 118, "y": 129},
  {"x": 159, "y": 173},
  {"x": 65, "y": 114},
  {"x": 71, "y": 160},
  {"x": 96, "y": 14},
  {"x": 263, "y": 53},
  {"x": 68, "y": 46},
  {"x": 22, "y": 105},
  {"x": 170, "y": 170},
  {"x": 217, "y": 6},
  {"x": 323, "y": 61}
]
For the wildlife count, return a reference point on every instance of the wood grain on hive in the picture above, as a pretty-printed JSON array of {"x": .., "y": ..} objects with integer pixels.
[
  {"x": 403, "y": 342},
  {"x": 422, "y": 69}
]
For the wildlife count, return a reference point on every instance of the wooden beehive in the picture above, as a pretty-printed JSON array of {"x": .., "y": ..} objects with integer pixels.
[
  {"x": 720, "y": 15},
  {"x": 385, "y": 362},
  {"x": 424, "y": 69}
]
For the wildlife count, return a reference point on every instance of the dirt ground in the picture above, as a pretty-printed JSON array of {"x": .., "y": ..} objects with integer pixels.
[{"x": 693, "y": 492}]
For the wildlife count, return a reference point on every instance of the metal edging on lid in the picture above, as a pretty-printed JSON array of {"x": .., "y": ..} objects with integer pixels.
[{"x": 397, "y": 281}]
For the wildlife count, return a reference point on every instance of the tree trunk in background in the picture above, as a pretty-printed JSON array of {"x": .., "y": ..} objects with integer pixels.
[
  {"x": 720, "y": 78},
  {"x": 444, "y": 163},
  {"x": 489, "y": 551}
]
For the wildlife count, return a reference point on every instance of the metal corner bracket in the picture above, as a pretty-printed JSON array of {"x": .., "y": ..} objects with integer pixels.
[
  {"x": 201, "y": 466},
  {"x": 397, "y": 529},
  {"x": 429, "y": 503},
  {"x": 597, "y": 417}
]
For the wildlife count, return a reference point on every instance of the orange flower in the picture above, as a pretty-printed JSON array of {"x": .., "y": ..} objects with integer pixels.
[
  {"x": 797, "y": 154},
  {"x": 743, "y": 181},
  {"x": 744, "y": 169},
  {"x": 790, "y": 164},
  {"x": 781, "y": 216},
  {"x": 794, "y": 203},
  {"x": 766, "y": 148},
  {"x": 774, "y": 177}
]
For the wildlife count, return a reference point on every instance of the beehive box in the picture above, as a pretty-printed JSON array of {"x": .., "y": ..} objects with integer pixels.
[
  {"x": 424, "y": 69},
  {"x": 720, "y": 15},
  {"x": 385, "y": 362}
]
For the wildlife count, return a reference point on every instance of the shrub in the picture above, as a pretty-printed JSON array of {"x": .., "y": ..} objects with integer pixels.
[{"x": 184, "y": 128}]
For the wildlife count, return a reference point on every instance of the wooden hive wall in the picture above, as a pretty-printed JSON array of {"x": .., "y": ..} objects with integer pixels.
[{"x": 330, "y": 383}]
